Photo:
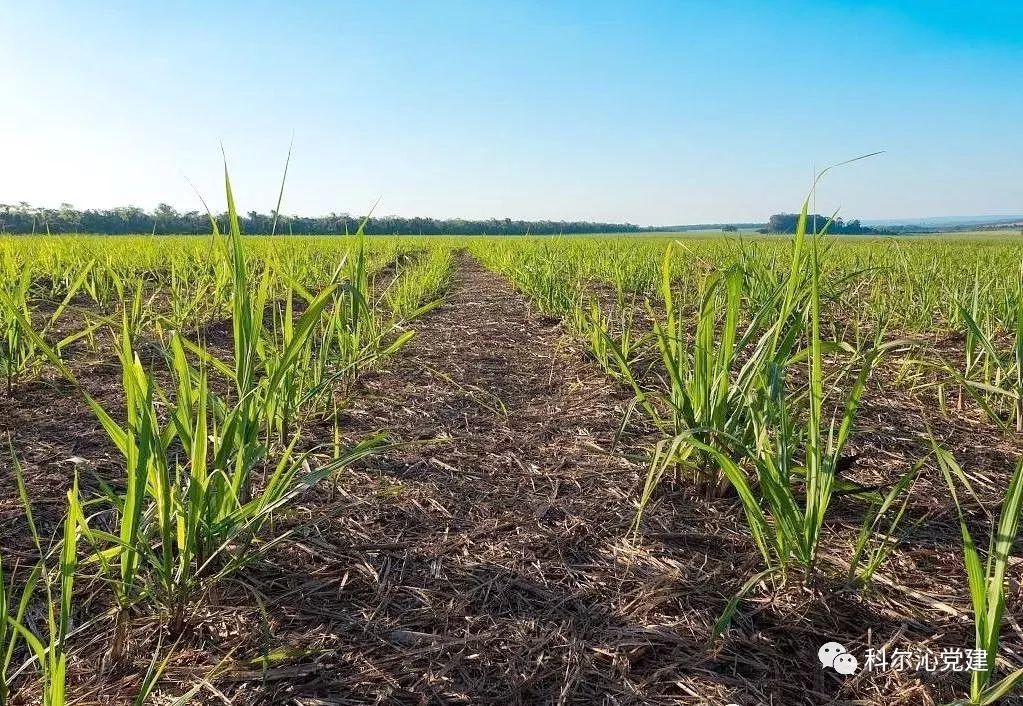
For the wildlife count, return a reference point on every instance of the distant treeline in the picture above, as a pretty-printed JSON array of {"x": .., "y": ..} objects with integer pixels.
[
  {"x": 786, "y": 223},
  {"x": 165, "y": 219}
]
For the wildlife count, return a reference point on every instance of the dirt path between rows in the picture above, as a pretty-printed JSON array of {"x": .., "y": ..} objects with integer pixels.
[{"x": 482, "y": 561}]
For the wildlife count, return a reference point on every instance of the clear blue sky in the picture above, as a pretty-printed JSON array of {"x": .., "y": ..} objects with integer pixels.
[{"x": 649, "y": 112}]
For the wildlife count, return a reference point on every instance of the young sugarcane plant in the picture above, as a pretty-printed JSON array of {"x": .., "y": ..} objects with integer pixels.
[
  {"x": 47, "y": 649},
  {"x": 613, "y": 340},
  {"x": 181, "y": 522},
  {"x": 19, "y": 353},
  {"x": 714, "y": 381},
  {"x": 975, "y": 352},
  {"x": 795, "y": 493},
  {"x": 262, "y": 373},
  {"x": 879, "y": 533},
  {"x": 354, "y": 335},
  {"x": 12, "y": 621},
  {"x": 1002, "y": 374},
  {"x": 420, "y": 287},
  {"x": 708, "y": 390},
  {"x": 986, "y": 579}
]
